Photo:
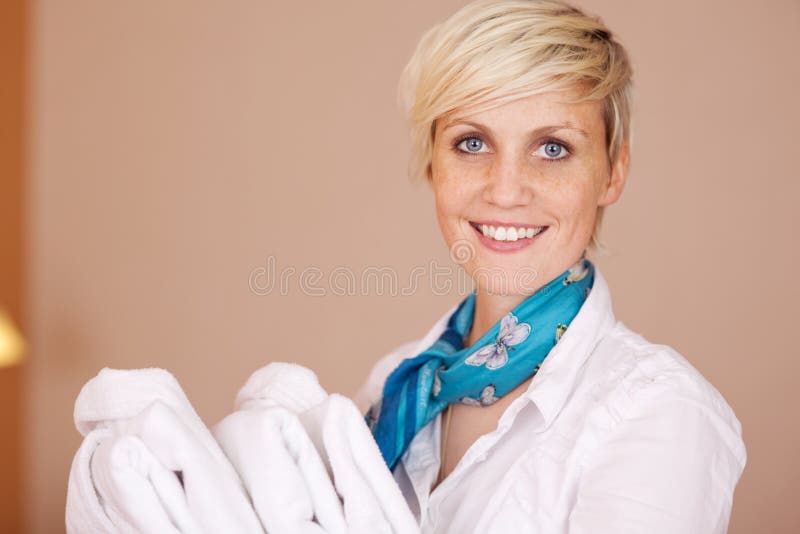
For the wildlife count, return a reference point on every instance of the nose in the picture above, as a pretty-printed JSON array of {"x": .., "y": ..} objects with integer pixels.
[{"x": 508, "y": 184}]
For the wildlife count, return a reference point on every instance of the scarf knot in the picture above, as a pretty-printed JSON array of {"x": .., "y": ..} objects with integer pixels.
[{"x": 448, "y": 372}]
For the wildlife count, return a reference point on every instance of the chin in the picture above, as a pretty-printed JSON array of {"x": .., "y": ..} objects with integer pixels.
[{"x": 501, "y": 278}]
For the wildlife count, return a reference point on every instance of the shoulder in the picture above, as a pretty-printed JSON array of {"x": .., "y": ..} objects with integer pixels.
[
  {"x": 641, "y": 379},
  {"x": 649, "y": 368},
  {"x": 664, "y": 449}
]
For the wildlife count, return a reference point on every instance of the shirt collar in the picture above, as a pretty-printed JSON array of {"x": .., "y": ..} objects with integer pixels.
[
  {"x": 556, "y": 378},
  {"x": 558, "y": 373}
]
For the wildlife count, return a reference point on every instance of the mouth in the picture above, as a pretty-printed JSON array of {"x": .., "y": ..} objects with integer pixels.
[{"x": 506, "y": 233}]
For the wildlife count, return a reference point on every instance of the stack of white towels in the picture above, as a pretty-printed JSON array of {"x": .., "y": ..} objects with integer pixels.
[{"x": 289, "y": 459}]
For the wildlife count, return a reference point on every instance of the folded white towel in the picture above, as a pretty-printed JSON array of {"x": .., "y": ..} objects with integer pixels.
[
  {"x": 148, "y": 463},
  {"x": 373, "y": 503},
  {"x": 282, "y": 471},
  {"x": 85, "y": 513},
  {"x": 289, "y": 385},
  {"x": 133, "y": 484}
]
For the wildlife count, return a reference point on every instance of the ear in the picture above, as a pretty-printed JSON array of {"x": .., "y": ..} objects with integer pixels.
[{"x": 619, "y": 173}]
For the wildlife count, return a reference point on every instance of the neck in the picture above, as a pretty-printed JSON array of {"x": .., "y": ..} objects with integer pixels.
[{"x": 489, "y": 309}]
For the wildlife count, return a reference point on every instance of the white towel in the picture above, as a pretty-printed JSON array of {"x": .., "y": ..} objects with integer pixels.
[
  {"x": 282, "y": 471},
  {"x": 289, "y": 385},
  {"x": 140, "y": 432},
  {"x": 373, "y": 503},
  {"x": 133, "y": 483}
]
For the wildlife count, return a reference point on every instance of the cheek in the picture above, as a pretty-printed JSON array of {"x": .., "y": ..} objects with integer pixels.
[
  {"x": 450, "y": 190},
  {"x": 575, "y": 202},
  {"x": 448, "y": 201},
  {"x": 452, "y": 209},
  {"x": 449, "y": 212}
]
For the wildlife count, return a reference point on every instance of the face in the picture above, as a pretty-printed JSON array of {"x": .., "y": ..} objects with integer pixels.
[{"x": 517, "y": 187}]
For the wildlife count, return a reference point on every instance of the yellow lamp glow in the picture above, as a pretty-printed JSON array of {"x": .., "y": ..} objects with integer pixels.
[{"x": 12, "y": 346}]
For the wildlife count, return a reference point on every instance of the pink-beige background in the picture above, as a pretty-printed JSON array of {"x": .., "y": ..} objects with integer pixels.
[{"x": 172, "y": 148}]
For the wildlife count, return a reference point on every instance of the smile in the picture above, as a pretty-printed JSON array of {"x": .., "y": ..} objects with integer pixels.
[{"x": 507, "y": 233}]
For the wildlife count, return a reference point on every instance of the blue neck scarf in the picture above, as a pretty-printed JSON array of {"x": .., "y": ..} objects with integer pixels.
[{"x": 447, "y": 372}]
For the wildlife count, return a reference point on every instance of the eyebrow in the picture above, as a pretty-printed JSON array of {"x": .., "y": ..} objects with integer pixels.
[{"x": 542, "y": 130}]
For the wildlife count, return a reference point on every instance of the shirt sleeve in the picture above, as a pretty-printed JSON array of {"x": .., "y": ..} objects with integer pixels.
[{"x": 669, "y": 465}]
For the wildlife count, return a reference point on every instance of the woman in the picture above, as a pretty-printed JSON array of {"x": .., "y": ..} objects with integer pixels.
[{"x": 528, "y": 407}]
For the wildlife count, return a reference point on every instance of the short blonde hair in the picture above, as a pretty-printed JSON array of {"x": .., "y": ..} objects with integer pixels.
[{"x": 493, "y": 51}]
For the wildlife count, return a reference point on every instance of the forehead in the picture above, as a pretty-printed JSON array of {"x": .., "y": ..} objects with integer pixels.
[{"x": 551, "y": 108}]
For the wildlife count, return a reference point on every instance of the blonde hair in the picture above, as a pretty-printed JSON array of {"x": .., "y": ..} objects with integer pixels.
[{"x": 493, "y": 51}]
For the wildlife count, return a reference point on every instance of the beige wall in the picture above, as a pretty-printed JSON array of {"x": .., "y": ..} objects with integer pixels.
[{"x": 177, "y": 145}]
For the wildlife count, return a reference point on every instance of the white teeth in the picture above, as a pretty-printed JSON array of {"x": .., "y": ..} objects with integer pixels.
[{"x": 501, "y": 233}]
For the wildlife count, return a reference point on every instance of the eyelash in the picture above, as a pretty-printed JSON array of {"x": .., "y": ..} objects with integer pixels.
[{"x": 546, "y": 141}]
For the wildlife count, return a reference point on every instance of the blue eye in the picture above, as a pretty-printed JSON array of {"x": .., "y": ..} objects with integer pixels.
[
  {"x": 554, "y": 150},
  {"x": 470, "y": 144}
]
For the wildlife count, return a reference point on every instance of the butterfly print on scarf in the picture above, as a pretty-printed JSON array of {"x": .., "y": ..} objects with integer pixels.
[
  {"x": 495, "y": 355},
  {"x": 576, "y": 273},
  {"x": 487, "y": 397}
]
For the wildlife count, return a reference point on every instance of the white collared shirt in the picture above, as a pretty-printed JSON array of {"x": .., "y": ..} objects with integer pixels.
[{"x": 614, "y": 435}]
